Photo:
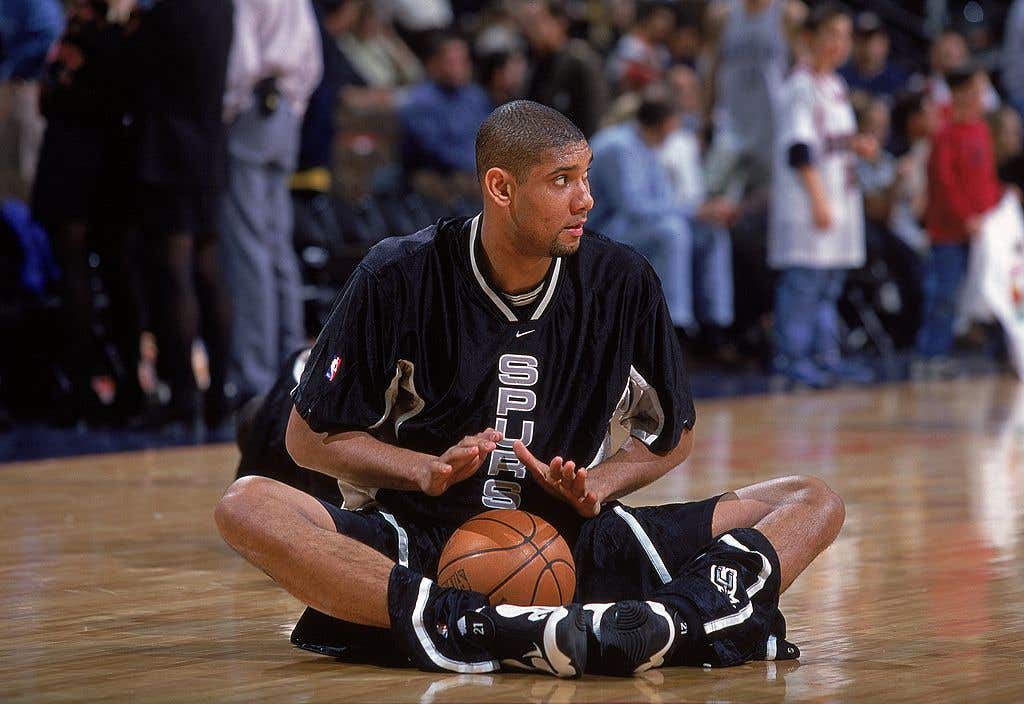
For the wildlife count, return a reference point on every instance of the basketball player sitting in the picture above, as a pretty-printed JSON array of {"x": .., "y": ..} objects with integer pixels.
[{"x": 511, "y": 360}]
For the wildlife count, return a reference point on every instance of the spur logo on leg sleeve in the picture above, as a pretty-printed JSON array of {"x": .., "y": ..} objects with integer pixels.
[{"x": 726, "y": 580}]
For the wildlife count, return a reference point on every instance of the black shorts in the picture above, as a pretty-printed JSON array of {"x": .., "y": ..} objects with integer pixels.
[{"x": 623, "y": 553}]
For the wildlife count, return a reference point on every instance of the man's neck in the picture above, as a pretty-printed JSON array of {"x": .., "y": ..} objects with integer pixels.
[
  {"x": 869, "y": 69},
  {"x": 510, "y": 270}
]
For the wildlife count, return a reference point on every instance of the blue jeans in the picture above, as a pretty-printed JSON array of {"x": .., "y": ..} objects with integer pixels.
[
  {"x": 712, "y": 273},
  {"x": 944, "y": 274},
  {"x": 806, "y": 318}
]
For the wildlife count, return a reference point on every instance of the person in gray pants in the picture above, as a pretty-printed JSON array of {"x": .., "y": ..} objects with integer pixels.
[{"x": 275, "y": 65}]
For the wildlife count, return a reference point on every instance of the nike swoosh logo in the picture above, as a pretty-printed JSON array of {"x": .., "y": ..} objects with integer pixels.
[{"x": 521, "y": 332}]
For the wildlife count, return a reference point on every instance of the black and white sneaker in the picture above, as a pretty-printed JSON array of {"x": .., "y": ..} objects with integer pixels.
[
  {"x": 631, "y": 636},
  {"x": 551, "y": 639}
]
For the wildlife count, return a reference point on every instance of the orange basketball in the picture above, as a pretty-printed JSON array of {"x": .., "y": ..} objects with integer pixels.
[{"x": 512, "y": 557}]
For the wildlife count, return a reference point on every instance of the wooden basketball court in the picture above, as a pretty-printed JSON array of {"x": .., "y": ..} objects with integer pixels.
[{"x": 114, "y": 584}]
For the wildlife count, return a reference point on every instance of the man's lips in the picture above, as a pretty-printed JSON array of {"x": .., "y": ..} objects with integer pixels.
[{"x": 575, "y": 229}]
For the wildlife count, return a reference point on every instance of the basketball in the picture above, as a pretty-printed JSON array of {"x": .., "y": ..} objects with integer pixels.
[{"x": 512, "y": 557}]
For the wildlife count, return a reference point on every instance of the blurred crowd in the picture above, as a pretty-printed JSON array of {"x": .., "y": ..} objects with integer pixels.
[{"x": 192, "y": 180}]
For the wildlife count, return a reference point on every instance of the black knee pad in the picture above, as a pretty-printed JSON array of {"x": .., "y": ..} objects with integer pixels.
[{"x": 729, "y": 597}]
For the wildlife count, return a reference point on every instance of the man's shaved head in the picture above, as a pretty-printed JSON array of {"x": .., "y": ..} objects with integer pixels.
[{"x": 519, "y": 135}]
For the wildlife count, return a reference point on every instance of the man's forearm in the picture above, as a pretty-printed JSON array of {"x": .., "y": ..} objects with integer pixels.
[
  {"x": 356, "y": 457},
  {"x": 634, "y": 466}
]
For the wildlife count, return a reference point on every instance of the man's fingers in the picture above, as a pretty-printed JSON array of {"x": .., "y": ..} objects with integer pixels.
[
  {"x": 588, "y": 505},
  {"x": 568, "y": 472},
  {"x": 538, "y": 470},
  {"x": 526, "y": 457},
  {"x": 579, "y": 483},
  {"x": 555, "y": 471}
]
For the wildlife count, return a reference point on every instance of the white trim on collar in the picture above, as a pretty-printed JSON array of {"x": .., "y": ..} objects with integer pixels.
[{"x": 499, "y": 303}]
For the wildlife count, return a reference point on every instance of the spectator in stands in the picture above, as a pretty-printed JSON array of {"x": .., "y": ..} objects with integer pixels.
[
  {"x": 635, "y": 201},
  {"x": 686, "y": 86},
  {"x": 1013, "y": 56},
  {"x": 335, "y": 19},
  {"x": 275, "y": 65},
  {"x": 876, "y": 170},
  {"x": 420, "y": 20},
  {"x": 567, "y": 73},
  {"x": 439, "y": 119},
  {"x": 82, "y": 195},
  {"x": 28, "y": 28},
  {"x": 182, "y": 167},
  {"x": 503, "y": 74},
  {"x": 641, "y": 57},
  {"x": 376, "y": 52},
  {"x": 949, "y": 53},
  {"x": 686, "y": 43},
  {"x": 1006, "y": 133},
  {"x": 869, "y": 70},
  {"x": 816, "y": 231},
  {"x": 962, "y": 187},
  {"x": 914, "y": 121},
  {"x": 750, "y": 45},
  {"x": 1005, "y": 125},
  {"x": 708, "y": 220}
]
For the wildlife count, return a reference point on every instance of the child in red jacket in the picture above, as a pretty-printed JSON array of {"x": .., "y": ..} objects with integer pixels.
[{"x": 962, "y": 186}]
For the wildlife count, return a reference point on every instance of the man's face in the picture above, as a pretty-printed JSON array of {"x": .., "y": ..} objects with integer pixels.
[
  {"x": 551, "y": 204},
  {"x": 949, "y": 52},
  {"x": 970, "y": 97},
  {"x": 832, "y": 41},
  {"x": 686, "y": 87},
  {"x": 451, "y": 66},
  {"x": 872, "y": 50},
  {"x": 544, "y": 32},
  {"x": 659, "y": 24}
]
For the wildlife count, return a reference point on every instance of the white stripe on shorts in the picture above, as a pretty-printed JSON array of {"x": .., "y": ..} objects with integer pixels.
[
  {"x": 403, "y": 538},
  {"x": 646, "y": 544}
]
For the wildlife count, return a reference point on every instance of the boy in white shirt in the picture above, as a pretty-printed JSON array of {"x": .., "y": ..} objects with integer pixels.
[{"x": 816, "y": 226}]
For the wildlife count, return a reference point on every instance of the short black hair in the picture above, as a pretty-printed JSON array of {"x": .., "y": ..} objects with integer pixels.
[
  {"x": 960, "y": 77},
  {"x": 518, "y": 134},
  {"x": 436, "y": 41},
  {"x": 656, "y": 105},
  {"x": 907, "y": 106},
  {"x": 824, "y": 13}
]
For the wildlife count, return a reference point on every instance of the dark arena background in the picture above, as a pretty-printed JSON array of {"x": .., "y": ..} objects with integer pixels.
[{"x": 183, "y": 198}]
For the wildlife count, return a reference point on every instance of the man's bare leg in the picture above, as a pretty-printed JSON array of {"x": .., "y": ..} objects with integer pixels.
[
  {"x": 290, "y": 536},
  {"x": 800, "y": 516}
]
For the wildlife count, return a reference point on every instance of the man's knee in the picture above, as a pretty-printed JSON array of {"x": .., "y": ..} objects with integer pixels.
[
  {"x": 806, "y": 490},
  {"x": 240, "y": 505},
  {"x": 814, "y": 492}
]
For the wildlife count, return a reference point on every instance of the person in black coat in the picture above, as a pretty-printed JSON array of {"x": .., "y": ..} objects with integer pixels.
[
  {"x": 83, "y": 196},
  {"x": 182, "y": 63}
]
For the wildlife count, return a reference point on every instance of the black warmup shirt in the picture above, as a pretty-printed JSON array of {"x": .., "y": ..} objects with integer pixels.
[{"x": 420, "y": 350}]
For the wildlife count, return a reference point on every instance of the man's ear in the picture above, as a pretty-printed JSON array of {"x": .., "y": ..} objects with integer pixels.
[{"x": 499, "y": 185}]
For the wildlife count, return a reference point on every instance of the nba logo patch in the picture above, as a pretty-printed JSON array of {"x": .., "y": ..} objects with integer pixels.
[{"x": 333, "y": 371}]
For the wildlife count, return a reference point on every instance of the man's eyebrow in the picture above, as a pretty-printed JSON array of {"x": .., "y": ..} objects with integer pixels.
[{"x": 561, "y": 169}]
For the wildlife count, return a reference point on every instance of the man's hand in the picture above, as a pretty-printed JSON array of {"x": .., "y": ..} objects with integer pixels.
[
  {"x": 718, "y": 211},
  {"x": 821, "y": 214},
  {"x": 562, "y": 480},
  {"x": 458, "y": 462}
]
